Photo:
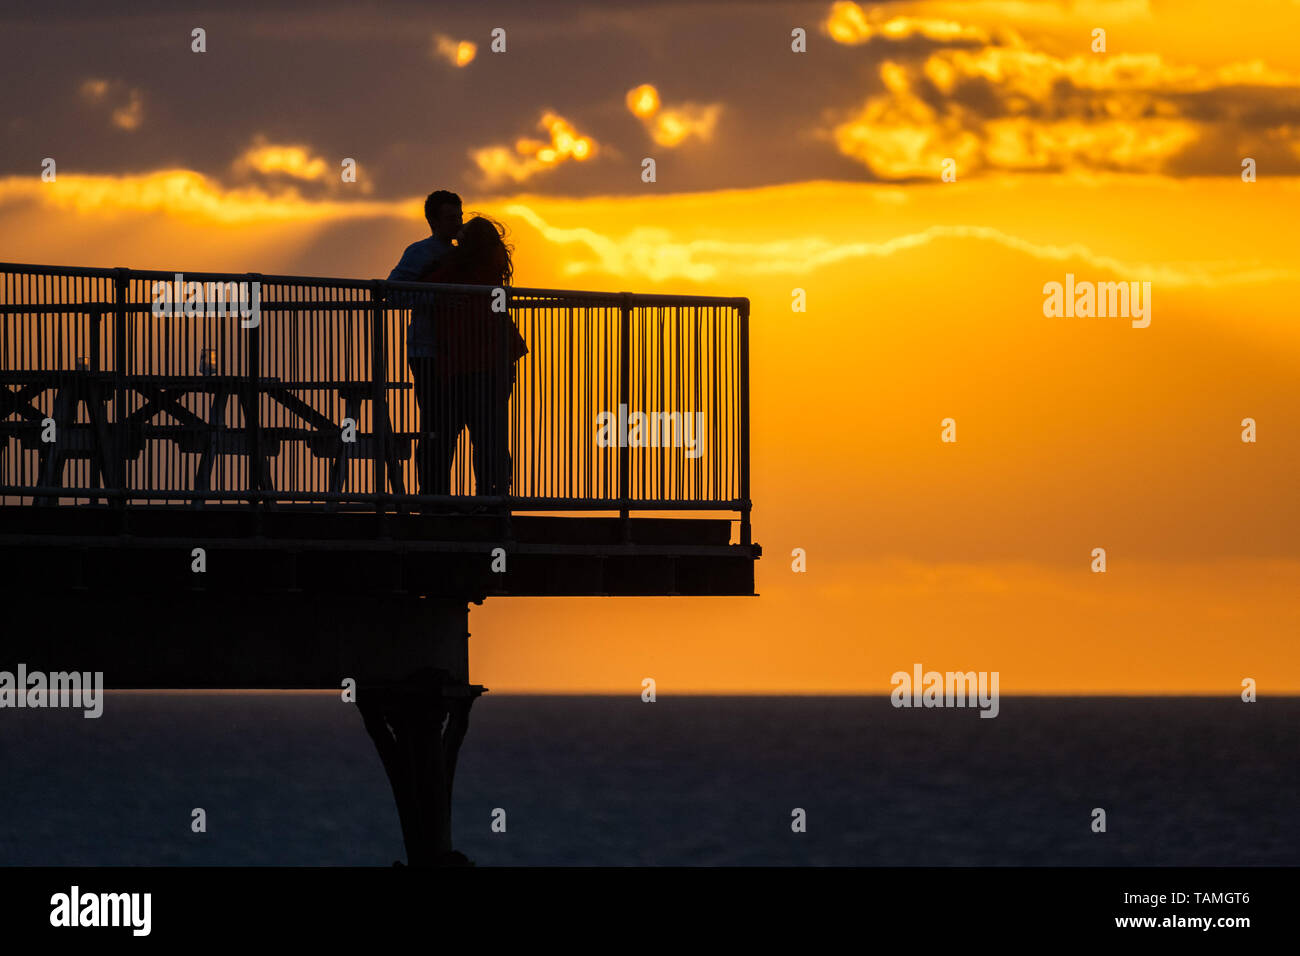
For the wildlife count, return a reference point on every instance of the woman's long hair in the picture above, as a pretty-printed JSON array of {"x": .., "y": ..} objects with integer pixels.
[{"x": 482, "y": 256}]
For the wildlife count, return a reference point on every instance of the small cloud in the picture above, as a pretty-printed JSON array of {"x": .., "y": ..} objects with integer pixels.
[
  {"x": 671, "y": 126},
  {"x": 456, "y": 52},
  {"x": 643, "y": 101},
  {"x": 531, "y": 156},
  {"x": 271, "y": 159},
  {"x": 847, "y": 23},
  {"x": 130, "y": 116},
  {"x": 1287, "y": 134},
  {"x": 94, "y": 90},
  {"x": 127, "y": 104}
]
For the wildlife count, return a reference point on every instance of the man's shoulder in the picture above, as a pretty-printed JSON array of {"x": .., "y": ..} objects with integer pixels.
[
  {"x": 424, "y": 245},
  {"x": 416, "y": 258},
  {"x": 426, "y": 250}
]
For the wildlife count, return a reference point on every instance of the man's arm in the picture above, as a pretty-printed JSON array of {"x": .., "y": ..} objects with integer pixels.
[{"x": 411, "y": 266}]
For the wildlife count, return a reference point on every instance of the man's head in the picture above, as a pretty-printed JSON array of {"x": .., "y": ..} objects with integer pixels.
[{"x": 442, "y": 210}]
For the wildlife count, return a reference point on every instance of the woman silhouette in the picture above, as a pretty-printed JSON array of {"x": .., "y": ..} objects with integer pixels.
[{"x": 475, "y": 351}]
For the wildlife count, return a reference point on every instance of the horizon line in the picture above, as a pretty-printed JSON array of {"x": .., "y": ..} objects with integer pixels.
[{"x": 702, "y": 693}]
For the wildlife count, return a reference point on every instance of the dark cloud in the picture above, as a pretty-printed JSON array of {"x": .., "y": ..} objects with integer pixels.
[{"x": 360, "y": 82}]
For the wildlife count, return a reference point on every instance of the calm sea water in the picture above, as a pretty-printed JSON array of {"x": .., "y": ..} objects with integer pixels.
[{"x": 294, "y": 780}]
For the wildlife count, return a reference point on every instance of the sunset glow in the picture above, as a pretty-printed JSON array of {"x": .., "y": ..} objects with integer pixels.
[{"x": 924, "y": 301}]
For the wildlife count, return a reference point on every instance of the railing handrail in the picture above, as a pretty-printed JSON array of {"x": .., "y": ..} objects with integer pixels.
[{"x": 366, "y": 285}]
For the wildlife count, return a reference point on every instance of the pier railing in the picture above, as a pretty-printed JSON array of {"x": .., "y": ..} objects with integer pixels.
[{"x": 123, "y": 387}]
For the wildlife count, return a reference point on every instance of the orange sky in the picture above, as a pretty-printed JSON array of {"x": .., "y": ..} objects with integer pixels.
[{"x": 924, "y": 301}]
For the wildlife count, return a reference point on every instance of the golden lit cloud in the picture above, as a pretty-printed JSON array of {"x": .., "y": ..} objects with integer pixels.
[
  {"x": 500, "y": 164},
  {"x": 456, "y": 52},
  {"x": 848, "y": 23},
  {"x": 657, "y": 254},
  {"x": 187, "y": 195},
  {"x": 271, "y": 159},
  {"x": 1043, "y": 12},
  {"x": 643, "y": 101},
  {"x": 1036, "y": 74},
  {"x": 671, "y": 126},
  {"x": 658, "y": 250},
  {"x": 1015, "y": 108}
]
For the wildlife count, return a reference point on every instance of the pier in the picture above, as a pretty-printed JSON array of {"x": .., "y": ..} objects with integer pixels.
[{"x": 194, "y": 497}]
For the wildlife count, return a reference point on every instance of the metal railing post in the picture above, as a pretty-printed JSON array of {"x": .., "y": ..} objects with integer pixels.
[
  {"x": 624, "y": 410},
  {"x": 379, "y": 395},
  {"x": 253, "y": 407},
  {"x": 119, "y": 453},
  {"x": 745, "y": 504}
]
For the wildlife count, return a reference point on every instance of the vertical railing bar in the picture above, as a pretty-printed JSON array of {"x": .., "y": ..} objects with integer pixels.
[
  {"x": 624, "y": 398},
  {"x": 379, "y": 396},
  {"x": 119, "y": 388},
  {"x": 745, "y": 505},
  {"x": 254, "y": 405}
]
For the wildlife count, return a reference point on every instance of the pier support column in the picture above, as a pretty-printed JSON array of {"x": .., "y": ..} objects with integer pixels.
[
  {"x": 414, "y": 695},
  {"x": 418, "y": 726}
]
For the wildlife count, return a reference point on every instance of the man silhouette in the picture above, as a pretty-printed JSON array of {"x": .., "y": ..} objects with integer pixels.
[{"x": 442, "y": 210}]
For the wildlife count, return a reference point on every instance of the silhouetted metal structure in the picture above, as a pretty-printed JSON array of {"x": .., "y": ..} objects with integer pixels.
[{"x": 266, "y": 430}]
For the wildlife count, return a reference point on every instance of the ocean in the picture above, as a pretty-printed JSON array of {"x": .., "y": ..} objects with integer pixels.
[{"x": 293, "y": 780}]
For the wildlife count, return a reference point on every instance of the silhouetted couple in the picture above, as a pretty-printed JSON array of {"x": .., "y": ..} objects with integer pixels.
[{"x": 461, "y": 352}]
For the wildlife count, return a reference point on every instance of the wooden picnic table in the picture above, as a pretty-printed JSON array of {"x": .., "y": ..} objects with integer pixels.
[{"x": 209, "y": 437}]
